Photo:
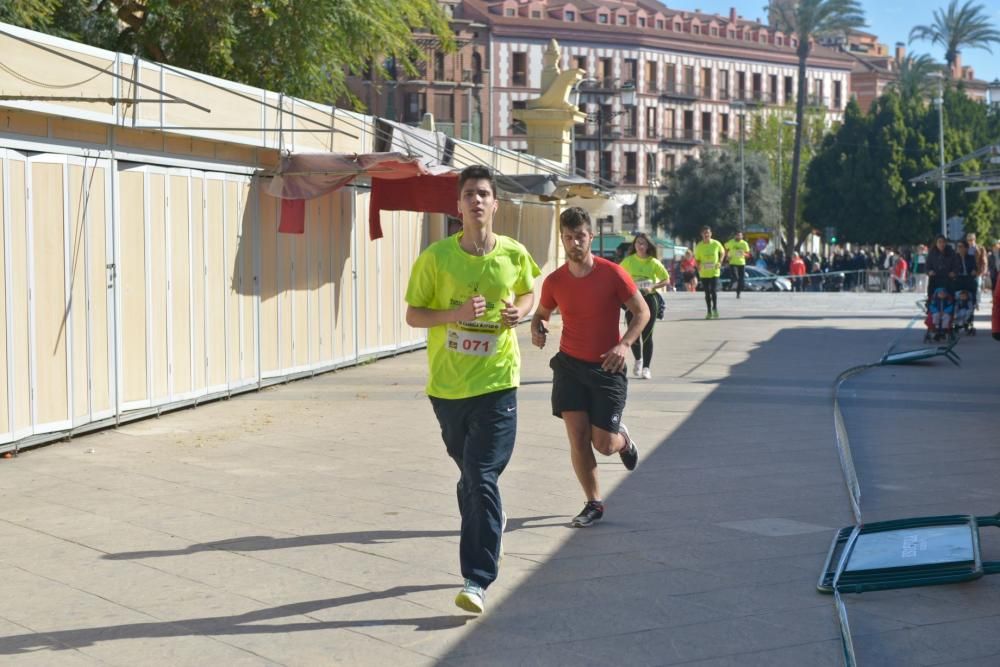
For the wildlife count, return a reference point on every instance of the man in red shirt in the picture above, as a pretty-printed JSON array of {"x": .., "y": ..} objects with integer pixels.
[
  {"x": 899, "y": 269},
  {"x": 589, "y": 384},
  {"x": 798, "y": 269}
]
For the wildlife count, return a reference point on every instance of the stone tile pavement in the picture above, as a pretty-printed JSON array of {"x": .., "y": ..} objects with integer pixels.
[{"x": 314, "y": 523}]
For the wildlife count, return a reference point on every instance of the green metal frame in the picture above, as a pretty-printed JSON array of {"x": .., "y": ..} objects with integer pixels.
[{"x": 905, "y": 576}]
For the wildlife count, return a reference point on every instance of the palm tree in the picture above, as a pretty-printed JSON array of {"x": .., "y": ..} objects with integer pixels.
[
  {"x": 913, "y": 75},
  {"x": 809, "y": 19},
  {"x": 968, "y": 26}
]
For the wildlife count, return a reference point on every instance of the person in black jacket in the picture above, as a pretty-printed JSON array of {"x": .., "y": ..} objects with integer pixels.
[{"x": 942, "y": 266}]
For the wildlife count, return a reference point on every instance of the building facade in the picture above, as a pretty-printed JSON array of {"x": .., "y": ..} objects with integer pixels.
[
  {"x": 451, "y": 86},
  {"x": 692, "y": 73}
]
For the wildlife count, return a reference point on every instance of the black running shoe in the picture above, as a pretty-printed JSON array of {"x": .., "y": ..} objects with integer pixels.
[
  {"x": 592, "y": 512},
  {"x": 630, "y": 454}
]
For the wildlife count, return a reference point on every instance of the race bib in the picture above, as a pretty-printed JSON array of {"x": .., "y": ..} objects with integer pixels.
[
  {"x": 475, "y": 344},
  {"x": 644, "y": 284},
  {"x": 708, "y": 266},
  {"x": 737, "y": 253}
]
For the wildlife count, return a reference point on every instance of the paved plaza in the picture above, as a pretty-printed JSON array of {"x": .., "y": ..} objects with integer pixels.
[{"x": 314, "y": 523}]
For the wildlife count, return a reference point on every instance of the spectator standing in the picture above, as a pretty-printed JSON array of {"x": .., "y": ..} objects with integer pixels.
[
  {"x": 689, "y": 272},
  {"x": 899, "y": 269},
  {"x": 797, "y": 269},
  {"x": 942, "y": 265}
]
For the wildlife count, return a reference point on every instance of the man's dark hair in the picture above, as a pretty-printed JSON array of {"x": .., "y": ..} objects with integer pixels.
[
  {"x": 573, "y": 218},
  {"x": 706, "y": 228},
  {"x": 476, "y": 172}
]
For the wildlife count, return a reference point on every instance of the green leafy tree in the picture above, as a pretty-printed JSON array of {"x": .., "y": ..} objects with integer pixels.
[
  {"x": 968, "y": 26},
  {"x": 706, "y": 191},
  {"x": 300, "y": 47},
  {"x": 860, "y": 181},
  {"x": 808, "y": 19}
]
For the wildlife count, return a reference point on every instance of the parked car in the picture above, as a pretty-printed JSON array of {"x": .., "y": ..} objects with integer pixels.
[{"x": 756, "y": 280}]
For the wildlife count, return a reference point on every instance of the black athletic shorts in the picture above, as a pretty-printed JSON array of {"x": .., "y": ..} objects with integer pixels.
[{"x": 586, "y": 387}]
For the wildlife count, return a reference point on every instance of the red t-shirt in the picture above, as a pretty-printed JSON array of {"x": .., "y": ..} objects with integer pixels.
[
  {"x": 590, "y": 307},
  {"x": 797, "y": 267}
]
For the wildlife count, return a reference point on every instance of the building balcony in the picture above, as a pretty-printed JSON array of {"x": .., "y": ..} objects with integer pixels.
[
  {"x": 681, "y": 137},
  {"x": 682, "y": 91}
]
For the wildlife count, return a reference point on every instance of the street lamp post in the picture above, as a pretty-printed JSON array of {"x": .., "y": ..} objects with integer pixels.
[
  {"x": 994, "y": 91},
  {"x": 939, "y": 103},
  {"x": 781, "y": 172},
  {"x": 627, "y": 94}
]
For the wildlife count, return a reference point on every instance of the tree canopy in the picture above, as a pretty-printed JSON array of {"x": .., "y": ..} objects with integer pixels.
[
  {"x": 706, "y": 191},
  {"x": 859, "y": 182},
  {"x": 303, "y": 48}
]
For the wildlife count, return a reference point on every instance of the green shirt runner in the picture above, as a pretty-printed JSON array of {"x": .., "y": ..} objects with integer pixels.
[
  {"x": 445, "y": 276},
  {"x": 709, "y": 255},
  {"x": 738, "y": 251},
  {"x": 645, "y": 269}
]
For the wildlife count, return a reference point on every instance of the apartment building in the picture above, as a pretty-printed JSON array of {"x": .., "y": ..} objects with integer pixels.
[
  {"x": 690, "y": 72},
  {"x": 451, "y": 86}
]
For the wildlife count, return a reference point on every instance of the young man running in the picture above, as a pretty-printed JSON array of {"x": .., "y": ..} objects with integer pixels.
[
  {"x": 708, "y": 254},
  {"x": 589, "y": 384},
  {"x": 737, "y": 251},
  {"x": 470, "y": 290}
]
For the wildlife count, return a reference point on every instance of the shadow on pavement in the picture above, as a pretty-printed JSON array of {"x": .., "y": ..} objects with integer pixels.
[
  {"x": 267, "y": 543},
  {"x": 712, "y": 548},
  {"x": 249, "y": 623}
]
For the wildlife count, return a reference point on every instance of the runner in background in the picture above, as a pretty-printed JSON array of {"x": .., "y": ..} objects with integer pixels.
[
  {"x": 649, "y": 275},
  {"x": 469, "y": 291},
  {"x": 708, "y": 254},
  {"x": 737, "y": 251}
]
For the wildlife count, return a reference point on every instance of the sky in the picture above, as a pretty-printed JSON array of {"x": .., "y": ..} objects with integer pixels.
[{"x": 891, "y": 20}]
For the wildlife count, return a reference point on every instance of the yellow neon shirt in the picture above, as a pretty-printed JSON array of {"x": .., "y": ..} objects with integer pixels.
[
  {"x": 647, "y": 269},
  {"x": 709, "y": 257},
  {"x": 480, "y": 356},
  {"x": 738, "y": 251}
]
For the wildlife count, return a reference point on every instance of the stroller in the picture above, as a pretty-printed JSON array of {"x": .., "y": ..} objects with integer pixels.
[
  {"x": 965, "y": 307},
  {"x": 940, "y": 316}
]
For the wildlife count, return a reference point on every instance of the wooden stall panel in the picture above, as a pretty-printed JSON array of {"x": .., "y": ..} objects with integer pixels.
[
  {"x": 367, "y": 293},
  {"x": 5, "y": 371},
  {"x": 20, "y": 317},
  {"x": 131, "y": 282},
  {"x": 299, "y": 291},
  {"x": 386, "y": 286},
  {"x": 285, "y": 246},
  {"x": 180, "y": 285},
  {"x": 352, "y": 211},
  {"x": 100, "y": 319},
  {"x": 50, "y": 305},
  {"x": 215, "y": 281},
  {"x": 77, "y": 312},
  {"x": 321, "y": 270},
  {"x": 230, "y": 246},
  {"x": 198, "y": 304},
  {"x": 410, "y": 245},
  {"x": 159, "y": 299},
  {"x": 268, "y": 283},
  {"x": 247, "y": 286}
]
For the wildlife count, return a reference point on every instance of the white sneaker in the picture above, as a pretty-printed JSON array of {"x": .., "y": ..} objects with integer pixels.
[
  {"x": 646, "y": 374},
  {"x": 637, "y": 369},
  {"x": 472, "y": 598}
]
